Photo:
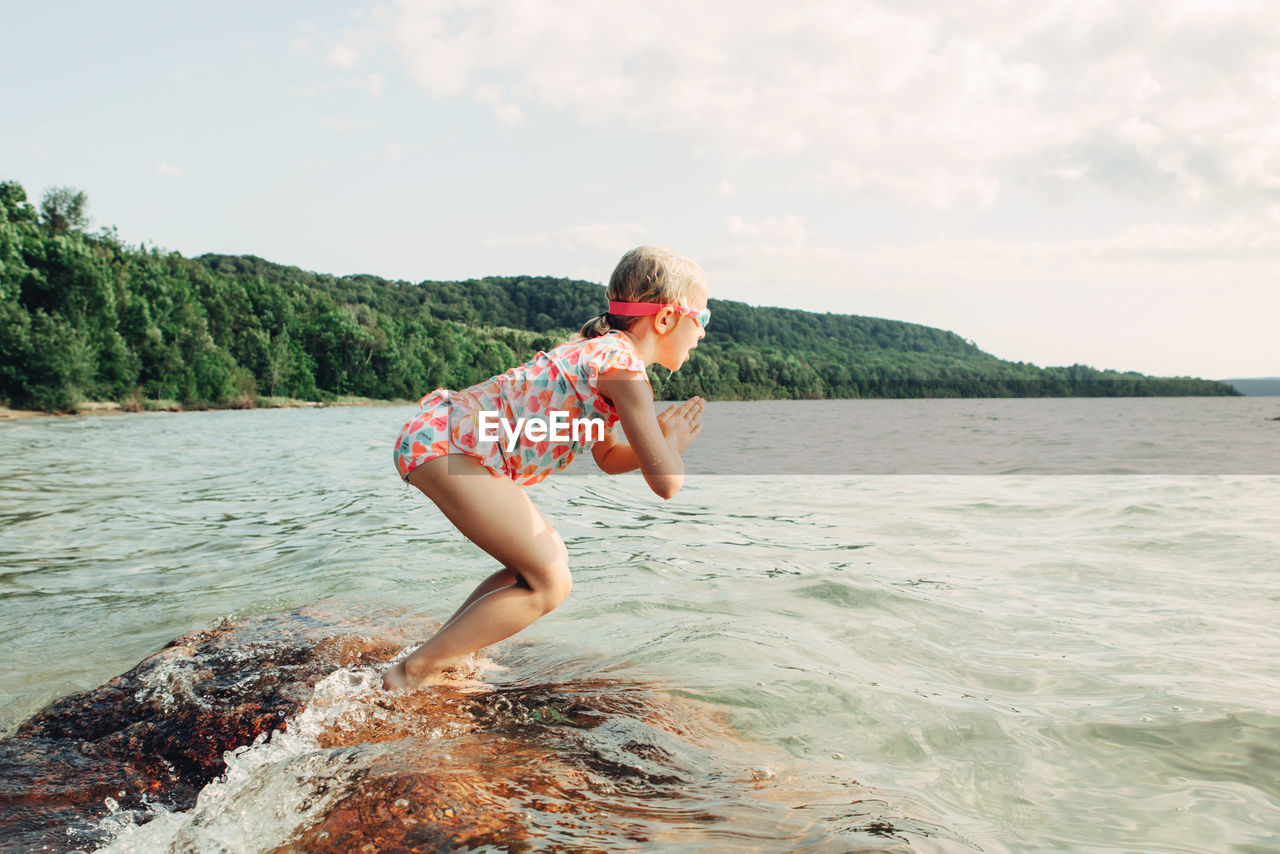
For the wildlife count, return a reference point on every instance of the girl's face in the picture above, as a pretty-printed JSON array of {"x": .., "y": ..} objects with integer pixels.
[{"x": 683, "y": 332}]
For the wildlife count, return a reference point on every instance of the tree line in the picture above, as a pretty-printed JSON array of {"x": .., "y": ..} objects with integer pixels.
[{"x": 84, "y": 316}]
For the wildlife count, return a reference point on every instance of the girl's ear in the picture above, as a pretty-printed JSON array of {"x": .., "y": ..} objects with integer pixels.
[{"x": 662, "y": 321}]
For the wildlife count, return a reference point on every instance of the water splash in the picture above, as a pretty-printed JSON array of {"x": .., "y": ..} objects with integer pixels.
[{"x": 280, "y": 783}]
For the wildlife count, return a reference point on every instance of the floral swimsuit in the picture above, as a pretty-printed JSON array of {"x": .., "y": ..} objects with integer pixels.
[{"x": 561, "y": 381}]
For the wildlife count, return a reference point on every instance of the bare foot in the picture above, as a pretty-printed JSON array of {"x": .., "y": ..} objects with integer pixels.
[
  {"x": 398, "y": 678},
  {"x": 395, "y": 679}
]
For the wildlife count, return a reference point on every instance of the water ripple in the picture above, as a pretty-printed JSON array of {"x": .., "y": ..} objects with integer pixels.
[{"x": 1030, "y": 662}]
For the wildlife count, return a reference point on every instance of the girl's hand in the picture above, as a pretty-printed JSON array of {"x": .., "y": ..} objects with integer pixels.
[{"x": 682, "y": 422}]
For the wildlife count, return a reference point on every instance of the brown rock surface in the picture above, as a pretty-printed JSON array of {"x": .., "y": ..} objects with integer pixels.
[{"x": 161, "y": 729}]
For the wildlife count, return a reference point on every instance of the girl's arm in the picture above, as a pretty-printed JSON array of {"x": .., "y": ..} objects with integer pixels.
[
  {"x": 654, "y": 443},
  {"x": 614, "y": 455}
]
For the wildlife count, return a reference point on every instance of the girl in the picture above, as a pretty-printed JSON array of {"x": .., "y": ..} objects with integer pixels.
[{"x": 657, "y": 314}]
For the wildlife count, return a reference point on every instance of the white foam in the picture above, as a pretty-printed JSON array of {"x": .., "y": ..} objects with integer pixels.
[
  {"x": 175, "y": 675},
  {"x": 280, "y": 784},
  {"x": 272, "y": 788}
]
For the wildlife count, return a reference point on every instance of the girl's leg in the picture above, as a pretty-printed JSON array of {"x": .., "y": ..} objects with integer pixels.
[{"x": 496, "y": 515}]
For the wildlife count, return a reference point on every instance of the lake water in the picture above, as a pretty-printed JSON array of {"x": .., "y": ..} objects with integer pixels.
[{"x": 1001, "y": 644}]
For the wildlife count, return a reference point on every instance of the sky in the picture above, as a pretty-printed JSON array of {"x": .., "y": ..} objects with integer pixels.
[{"x": 1059, "y": 182}]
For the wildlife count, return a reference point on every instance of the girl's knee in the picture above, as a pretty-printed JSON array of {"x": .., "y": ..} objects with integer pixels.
[
  {"x": 562, "y": 581},
  {"x": 562, "y": 553},
  {"x": 559, "y": 590},
  {"x": 551, "y": 584}
]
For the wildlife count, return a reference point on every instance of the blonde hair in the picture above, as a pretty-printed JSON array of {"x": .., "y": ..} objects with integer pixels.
[{"x": 646, "y": 274}]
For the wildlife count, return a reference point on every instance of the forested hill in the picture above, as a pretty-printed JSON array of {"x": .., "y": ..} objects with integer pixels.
[
  {"x": 749, "y": 352},
  {"x": 544, "y": 304},
  {"x": 86, "y": 317}
]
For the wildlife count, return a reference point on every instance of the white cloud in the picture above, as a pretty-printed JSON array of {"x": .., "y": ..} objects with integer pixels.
[
  {"x": 372, "y": 83},
  {"x": 345, "y": 57},
  {"x": 1236, "y": 253},
  {"x": 347, "y": 124},
  {"x": 789, "y": 230},
  {"x": 606, "y": 238},
  {"x": 396, "y": 151},
  {"x": 295, "y": 91},
  {"x": 164, "y": 167},
  {"x": 303, "y": 40},
  {"x": 506, "y": 112},
  {"x": 928, "y": 103},
  {"x": 509, "y": 114}
]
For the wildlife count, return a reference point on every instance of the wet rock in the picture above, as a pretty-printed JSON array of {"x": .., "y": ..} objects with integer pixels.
[
  {"x": 578, "y": 764},
  {"x": 518, "y": 751},
  {"x": 157, "y": 734}
]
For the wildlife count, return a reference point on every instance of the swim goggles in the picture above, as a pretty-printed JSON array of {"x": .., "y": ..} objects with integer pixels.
[{"x": 700, "y": 316}]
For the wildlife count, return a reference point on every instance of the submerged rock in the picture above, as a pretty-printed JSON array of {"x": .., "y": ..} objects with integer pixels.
[
  {"x": 157, "y": 734},
  {"x": 271, "y": 734}
]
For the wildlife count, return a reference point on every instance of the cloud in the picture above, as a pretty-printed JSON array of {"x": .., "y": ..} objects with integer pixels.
[
  {"x": 788, "y": 230},
  {"x": 164, "y": 167},
  {"x": 509, "y": 114},
  {"x": 347, "y": 124},
  {"x": 302, "y": 42},
  {"x": 372, "y": 83},
  {"x": 605, "y": 238},
  {"x": 396, "y": 151},
  {"x": 1230, "y": 262},
  {"x": 928, "y": 104},
  {"x": 506, "y": 112},
  {"x": 345, "y": 57}
]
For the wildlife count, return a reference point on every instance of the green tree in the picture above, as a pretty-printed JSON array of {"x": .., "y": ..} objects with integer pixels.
[{"x": 63, "y": 209}]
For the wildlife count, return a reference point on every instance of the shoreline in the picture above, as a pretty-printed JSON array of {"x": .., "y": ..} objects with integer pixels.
[
  {"x": 148, "y": 407},
  {"x": 8, "y": 414}
]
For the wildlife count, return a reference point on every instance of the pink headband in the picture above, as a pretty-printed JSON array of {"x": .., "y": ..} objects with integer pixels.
[{"x": 635, "y": 309}]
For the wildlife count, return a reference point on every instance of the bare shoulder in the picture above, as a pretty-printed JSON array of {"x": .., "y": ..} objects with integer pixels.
[{"x": 621, "y": 385}]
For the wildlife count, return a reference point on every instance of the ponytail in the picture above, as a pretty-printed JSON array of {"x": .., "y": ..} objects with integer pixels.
[{"x": 596, "y": 326}]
